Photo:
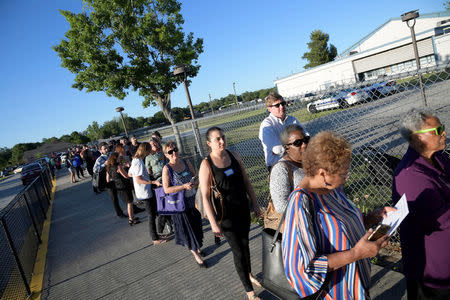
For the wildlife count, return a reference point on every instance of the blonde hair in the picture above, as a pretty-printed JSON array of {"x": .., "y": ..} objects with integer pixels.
[
  {"x": 327, "y": 151},
  {"x": 169, "y": 144},
  {"x": 143, "y": 150}
]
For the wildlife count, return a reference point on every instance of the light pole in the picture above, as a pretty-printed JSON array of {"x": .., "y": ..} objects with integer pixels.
[
  {"x": 410, "y": 19},
  {"x": 120, "y": 110},
  {"x": 210, "y": 104},
  {"x": 235, "y": 97},
  {"x": 181, "y": 71}
]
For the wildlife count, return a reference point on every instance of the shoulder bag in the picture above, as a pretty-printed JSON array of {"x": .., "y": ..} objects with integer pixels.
[
  {"x": 271, "y": 217},
  {"x": 169, "y": 204},
  {"x": 215, "y": 195},
  {"x": 274, "y": 278}
]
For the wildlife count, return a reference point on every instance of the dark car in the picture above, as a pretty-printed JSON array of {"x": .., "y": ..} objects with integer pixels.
[{"x": 30, "y": 172}]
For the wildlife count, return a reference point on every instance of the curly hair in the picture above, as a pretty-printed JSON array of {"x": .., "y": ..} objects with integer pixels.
[{"x": 327, "y": 151}]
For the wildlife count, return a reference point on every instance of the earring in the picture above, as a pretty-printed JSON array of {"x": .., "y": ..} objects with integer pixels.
[{"x": 326, "y": 183}]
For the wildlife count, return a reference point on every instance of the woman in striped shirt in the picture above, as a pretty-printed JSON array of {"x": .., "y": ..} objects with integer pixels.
[{"x": 325, "y": 244}]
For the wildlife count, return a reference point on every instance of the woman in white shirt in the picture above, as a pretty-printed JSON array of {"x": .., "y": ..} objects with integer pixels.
[{"x": 143, "y": 188}]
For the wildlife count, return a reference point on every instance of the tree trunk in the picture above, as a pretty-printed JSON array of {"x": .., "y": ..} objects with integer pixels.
[{"x": 164, "y": 104}]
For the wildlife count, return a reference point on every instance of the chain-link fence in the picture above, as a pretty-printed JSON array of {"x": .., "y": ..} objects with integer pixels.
[
  {"x": 20, "y": 235},
  {"x": 366, "y": 113}
]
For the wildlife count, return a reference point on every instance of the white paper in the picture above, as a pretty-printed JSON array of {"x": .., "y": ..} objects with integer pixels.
[{"x": 395, "y": 218}]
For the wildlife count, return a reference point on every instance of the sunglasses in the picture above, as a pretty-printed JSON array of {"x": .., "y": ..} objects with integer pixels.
[
  {"x": 278, "y": 104},
  {"x": 299, "y": 142},
  {"x": 170, "y": 152},
  {"x": 437, "y": 130}
]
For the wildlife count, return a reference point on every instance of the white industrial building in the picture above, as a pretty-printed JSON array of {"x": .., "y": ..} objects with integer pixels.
[{"x": 385, "y": 51}]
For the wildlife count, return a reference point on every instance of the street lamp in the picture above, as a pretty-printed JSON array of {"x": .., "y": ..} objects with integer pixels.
[
  {"x": 210, "y": 104},
  {"x": 410, "y": 19},
  {"x": 235, "y": 97},
  {"x": 120, "y": 110},
  {"x": 181, "y": 72}
]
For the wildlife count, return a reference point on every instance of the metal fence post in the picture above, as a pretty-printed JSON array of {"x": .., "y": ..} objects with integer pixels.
[
  {"x": 16, "y": 256},
  {"x": 198, "y": 139},
  {"x": 39, "y": 201},
  {"x": 32, "y": 219}
]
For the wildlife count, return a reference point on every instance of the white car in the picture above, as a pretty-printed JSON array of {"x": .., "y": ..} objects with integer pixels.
[{"x": 338, "y": 99}]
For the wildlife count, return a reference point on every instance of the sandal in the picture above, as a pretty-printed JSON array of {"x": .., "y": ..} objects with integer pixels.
[
  {"x": 255, "y": 282},
  {"x": 133, "y": 222},
  {"x": 160, "y": 241}
]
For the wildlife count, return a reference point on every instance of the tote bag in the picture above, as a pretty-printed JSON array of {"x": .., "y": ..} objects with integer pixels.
[
  {"x": 169, "y": 204},
  {"x": 274, "y": 278}
]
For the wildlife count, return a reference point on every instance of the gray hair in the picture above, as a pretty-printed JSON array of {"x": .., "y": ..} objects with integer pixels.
[
  {"x": 413, "y": 120},
  {"x": 284, "y": 136}
]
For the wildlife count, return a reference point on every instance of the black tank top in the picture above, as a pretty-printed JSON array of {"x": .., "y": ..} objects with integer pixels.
[
  {"x": 230, "y": 182},
  {"x": 120, "y": 182}
]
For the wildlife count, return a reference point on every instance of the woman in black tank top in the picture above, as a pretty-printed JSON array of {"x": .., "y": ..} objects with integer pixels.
[{"x": 233, "y": 183}]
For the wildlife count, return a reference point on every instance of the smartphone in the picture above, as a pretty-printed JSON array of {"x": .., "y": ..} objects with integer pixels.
[{"x": 379, "y": 232}]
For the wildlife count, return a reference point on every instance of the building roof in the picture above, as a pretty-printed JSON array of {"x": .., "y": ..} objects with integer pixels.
[
  {"x": 344, "y": 54},
  {"x": 427, "y": 15}
]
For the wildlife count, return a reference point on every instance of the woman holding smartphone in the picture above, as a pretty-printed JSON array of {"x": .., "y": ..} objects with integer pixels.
[
  {"x": 178, "y": 175},
  {"x": 325, "y": 244}
]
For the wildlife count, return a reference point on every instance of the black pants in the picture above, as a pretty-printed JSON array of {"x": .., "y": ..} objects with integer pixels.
[
  {"x": 236, "y": 232},
  {"x": 79, "y": 171},
  {"x": 150, "y": 207},
  {"x": 418, "y": 291},
  {"x": 112, "y": 192},
  {"x": 162, "y": 221}
]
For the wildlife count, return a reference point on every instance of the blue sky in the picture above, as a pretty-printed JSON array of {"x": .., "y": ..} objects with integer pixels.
[{"x": 248, "y": 42}]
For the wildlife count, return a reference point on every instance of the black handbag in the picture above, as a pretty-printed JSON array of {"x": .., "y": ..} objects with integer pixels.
[{"x": 274, "y": 278}]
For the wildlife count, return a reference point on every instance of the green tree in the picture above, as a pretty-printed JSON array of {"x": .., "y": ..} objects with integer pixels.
[
  {"x": 319, "y": 51},
  {"x": 5, "y": 156},
  {"x": 93, "y": 131},
  {"x": 18, "y": 150},
  {"x": 447, "y": 5},
  {"x": 116, "y": 46}
]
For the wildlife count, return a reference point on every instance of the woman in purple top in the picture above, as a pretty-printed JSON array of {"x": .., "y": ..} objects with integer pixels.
[{"x": 424, "y": 176}]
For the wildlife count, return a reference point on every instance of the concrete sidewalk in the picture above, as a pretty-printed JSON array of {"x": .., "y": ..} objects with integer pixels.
[{"x": 92, "y": 254}]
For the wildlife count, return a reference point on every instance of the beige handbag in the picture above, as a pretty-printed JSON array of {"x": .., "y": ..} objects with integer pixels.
[{"x": 272, "y": 218}]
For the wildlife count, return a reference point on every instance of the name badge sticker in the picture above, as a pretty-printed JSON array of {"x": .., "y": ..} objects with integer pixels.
[
  {"x": 185, "y": 173},
  {"x": 229, "y": 172}
]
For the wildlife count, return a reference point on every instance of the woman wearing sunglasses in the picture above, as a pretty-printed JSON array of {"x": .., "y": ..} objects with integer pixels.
[
  {"x": 178, "y": 175},
  {"x": 287, "y": 173},
  {"x": 325, "y": 244},
  {"x": 424, "y": 176},
  {"x": 233, "y": 183}
]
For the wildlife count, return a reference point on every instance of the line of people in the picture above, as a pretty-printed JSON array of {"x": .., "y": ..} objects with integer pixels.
[{"x": 325, "y": 242}]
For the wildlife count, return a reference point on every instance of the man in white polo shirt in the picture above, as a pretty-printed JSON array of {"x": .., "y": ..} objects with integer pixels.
[{"x": 272, "y": 126}]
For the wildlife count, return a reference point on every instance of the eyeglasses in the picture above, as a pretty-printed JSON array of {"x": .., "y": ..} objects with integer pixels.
[
  {"x": 299, "y": 142},
  {"x": 170, "y": 152},
  {"x": 278, "y": 104},
  {"x": 437, "y": 130}
]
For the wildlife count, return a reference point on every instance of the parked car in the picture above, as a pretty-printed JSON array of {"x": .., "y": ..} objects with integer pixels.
[
  {"x": 380, "y": 89},
  {"x": 338, "y": 99},
  {"x": 30, "y": 172}
]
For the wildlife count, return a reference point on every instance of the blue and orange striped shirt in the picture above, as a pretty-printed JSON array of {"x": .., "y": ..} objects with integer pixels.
[{"x": 317, "y": 225}]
